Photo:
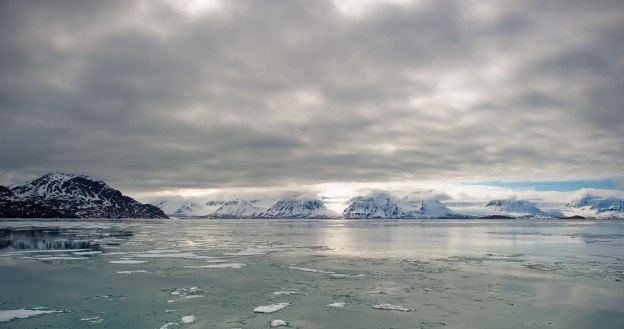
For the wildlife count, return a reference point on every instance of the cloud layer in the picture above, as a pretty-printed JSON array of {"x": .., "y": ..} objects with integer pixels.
[{"x": 150, "y": 95}]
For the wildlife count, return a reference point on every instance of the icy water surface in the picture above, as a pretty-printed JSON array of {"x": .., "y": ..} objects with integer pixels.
[{"x": 312, "y": 274}]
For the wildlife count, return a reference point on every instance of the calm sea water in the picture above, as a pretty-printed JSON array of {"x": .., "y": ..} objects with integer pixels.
[{"x": 388, "y": 274}]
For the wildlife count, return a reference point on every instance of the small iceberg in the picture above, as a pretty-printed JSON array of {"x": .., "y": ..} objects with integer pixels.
[
  {"x": 336, "y": 305},
  {"x": 188, "y": 319},
  {"x": 270, "y": 308},
  {"x": 277, "y": 323}
]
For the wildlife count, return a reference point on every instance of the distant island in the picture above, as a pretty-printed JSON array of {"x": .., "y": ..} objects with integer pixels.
[{"x": 61, "y": 195}]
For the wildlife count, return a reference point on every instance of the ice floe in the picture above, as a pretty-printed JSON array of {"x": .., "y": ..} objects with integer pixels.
[
  {"x": 336, "y": 305},
  {"x": 86, "y": 253},
  {"x": 277, "y": 323},
  {"x": 224, "y": 265},
  {"x": 188, "y": 319},
  {"x": 346, "y": 276},
  {"x": 307, "y": 269},
  {"x": 271, "y": 308},
  {"x": 22, "y": 313},
  {"x": 169, "y": 325},
  {"x": 391, "y": 307},
  {"x": 285, "y": 293},
  {"x": 132, "y": 272},
  {"x": 94, "y": 320},
  {"x": 170, "y": 254},
  {"x": 61, "y": 258},
  {"x": 128, "y": 261}
]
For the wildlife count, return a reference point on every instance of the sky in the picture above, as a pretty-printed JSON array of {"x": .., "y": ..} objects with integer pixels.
[{"x": 164, "y": 97}]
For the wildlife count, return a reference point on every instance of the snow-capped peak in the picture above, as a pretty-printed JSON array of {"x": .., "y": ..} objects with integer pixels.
[
  {"x": 383, "y": 205},
  {"x": 514, "y": 207}
]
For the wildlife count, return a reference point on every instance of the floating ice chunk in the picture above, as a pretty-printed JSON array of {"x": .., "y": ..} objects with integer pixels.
[
  {"x": 169, "y": 325},
  {"x": 60, "y": 258},
  {"x": 336, "y": 305},
  {"x": 8, "y": 315},
  {"x": 391, "y": 307},
  {"x": 171, "y": 254},
  {"x": 94, "y": 320},
  {"x": 307, "y": 269},
  {"x": 185, "y": 297},
  {"x": 127, "y": 261},
  {"x": 341, "y": 276},
  {"x": 86, "y": 253},
  {"x": 132, "y": 272},
  {"x": 224, "y": 265},
  {"x": 188, "y": 319},
  {"x": 285, "y": 293},
  {"x": 271, "y": 308},
  {"x": 278, "y": 323}
]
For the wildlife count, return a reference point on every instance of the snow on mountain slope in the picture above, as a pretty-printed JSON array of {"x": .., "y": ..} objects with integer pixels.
[
  {"x": 514, "y": 208},
  {"x": 383, "y": 205},
  {"x": 239, "y": 208},
  {"x": 590, "y": 206},
  {"x": 183, "y": 208},
  {"x": 299, "y": 206},
  {"x": 68, "y": 195}
]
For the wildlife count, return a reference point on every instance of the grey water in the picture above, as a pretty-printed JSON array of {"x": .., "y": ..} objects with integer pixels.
[{"x": 372, "y": 273}]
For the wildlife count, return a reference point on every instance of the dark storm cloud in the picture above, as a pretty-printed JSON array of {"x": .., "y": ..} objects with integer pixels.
[{"x": 259, "y": 93}]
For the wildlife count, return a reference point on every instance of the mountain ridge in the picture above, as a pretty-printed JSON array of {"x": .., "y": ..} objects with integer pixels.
[{"x": 60, "y": 195}]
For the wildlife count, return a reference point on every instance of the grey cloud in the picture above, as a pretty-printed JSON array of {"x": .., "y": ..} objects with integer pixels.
[{"x": 269, "y": 93}]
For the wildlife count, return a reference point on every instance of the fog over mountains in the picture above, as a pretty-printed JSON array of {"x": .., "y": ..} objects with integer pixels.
[{"x": 60, "y": 195}]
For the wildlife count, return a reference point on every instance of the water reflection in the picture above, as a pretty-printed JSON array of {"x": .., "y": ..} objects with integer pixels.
[{"x": 60, "y": 238}]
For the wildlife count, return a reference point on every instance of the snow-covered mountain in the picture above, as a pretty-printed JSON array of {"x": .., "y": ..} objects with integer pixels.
[
  {"x": 72, "y": 196},
  {"x": 299, "y": 206},
  {"x": 183, "y": 208},
  {"x": 383, "y": 205},
  {"x": 590, "y": 206},
  {"x": 239, "y": 208},
  {"x": 290, "y": 206},
  {"x": 514, "y": 208}
]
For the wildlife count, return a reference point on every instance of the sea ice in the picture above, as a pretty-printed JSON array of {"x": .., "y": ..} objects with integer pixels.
[
  {"x": 271, "y": 308},
  {"x": 8, "y": 315},
  {"x": 132, "y": 272},
  {"x": 188, "y": 319},
  {"x": 171, "y": 254},
  {"x": 128, "y": 261},
  {"x": 224, "y": 265},
  {"x": 86, "y": 253},
  {"x": 340, "y": 276},
  {"x": 306, "y": 269},
  {"x": 285, "y": 293},
  {"x": 336, "y": 305},
  {"x": 95, "y": 319},
  {"x": 278, "y": 323},
  {"x": 246, "y": 252},
  {"x": 60, "y": 258},
  {"x": 391, "y": 307},
  {"x": 169, "y": 325}
]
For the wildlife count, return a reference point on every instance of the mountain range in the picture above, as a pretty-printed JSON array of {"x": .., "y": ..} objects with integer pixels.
[{"x": 59, "y": 195}]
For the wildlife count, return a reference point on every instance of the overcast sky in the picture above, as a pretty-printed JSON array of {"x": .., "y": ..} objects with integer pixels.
[{"x": 154, "y": 96}]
